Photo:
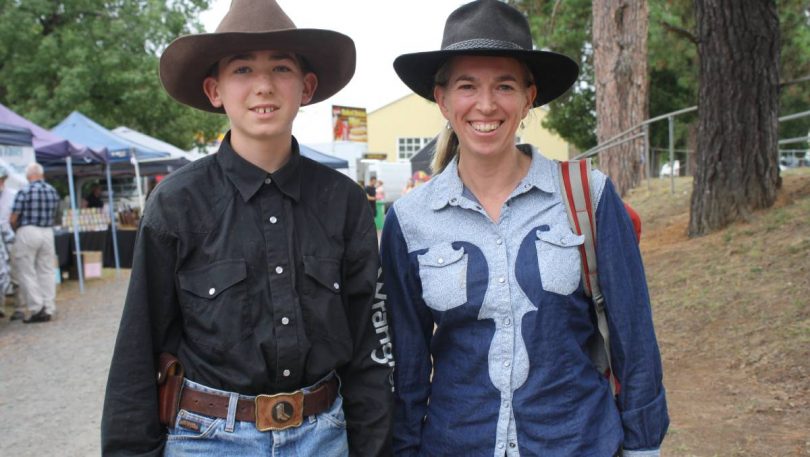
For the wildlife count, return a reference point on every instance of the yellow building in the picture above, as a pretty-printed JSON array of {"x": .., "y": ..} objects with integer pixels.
[{"x": 402, "y": 127}]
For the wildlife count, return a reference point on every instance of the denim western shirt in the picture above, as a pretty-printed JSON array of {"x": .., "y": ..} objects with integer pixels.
[
  {"x": 36, "y": 204},
  {"x": 259, "y": 283},
  {"x": 491, "y": 325}
]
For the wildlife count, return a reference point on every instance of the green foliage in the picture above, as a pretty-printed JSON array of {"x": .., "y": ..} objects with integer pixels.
[
  {"x": 100, "y": 58},
  {"x": 565, "y": 27}
]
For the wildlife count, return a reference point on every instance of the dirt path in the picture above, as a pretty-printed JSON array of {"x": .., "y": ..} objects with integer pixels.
[{"x": 52, "y": 375}]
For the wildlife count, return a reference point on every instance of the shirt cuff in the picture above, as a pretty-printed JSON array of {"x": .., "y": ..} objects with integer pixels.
[{"x": 648, "y": 453}]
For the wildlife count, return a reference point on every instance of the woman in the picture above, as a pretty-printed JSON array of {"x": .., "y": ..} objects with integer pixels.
[{"x": 491, "y": 326}]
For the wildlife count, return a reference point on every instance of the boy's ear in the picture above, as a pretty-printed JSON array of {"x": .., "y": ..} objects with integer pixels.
[
  {"x": 211, "y": 89},
  {"x": 310, "y": 84}
]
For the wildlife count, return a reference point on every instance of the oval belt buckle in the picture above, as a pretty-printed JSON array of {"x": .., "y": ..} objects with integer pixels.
[{"x": 279, "y": 411}]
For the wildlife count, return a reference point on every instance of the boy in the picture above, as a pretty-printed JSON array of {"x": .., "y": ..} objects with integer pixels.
[{"x": 256, "y": 267}]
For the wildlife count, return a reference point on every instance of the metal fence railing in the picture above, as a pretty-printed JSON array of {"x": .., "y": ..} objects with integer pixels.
[{"x": 642, "y": 130}]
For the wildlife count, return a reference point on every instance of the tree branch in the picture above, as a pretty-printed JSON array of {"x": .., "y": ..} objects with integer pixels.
[
  {"x": 794, "y": 81},
  {"x": 680, "y": 31}
]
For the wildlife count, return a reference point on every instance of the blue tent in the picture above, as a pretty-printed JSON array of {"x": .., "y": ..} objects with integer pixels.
[
  {"x": 329, "y": 161},
  {"x": 81, "y": 129}
]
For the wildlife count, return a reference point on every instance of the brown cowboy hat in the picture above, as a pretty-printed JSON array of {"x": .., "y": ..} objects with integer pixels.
[
  {"x": 489, "y": 28},
  {"x": 254, "y": 25}
]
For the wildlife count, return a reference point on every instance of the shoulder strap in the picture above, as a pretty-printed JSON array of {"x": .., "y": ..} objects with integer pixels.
[{"x": 575, "y": 185}]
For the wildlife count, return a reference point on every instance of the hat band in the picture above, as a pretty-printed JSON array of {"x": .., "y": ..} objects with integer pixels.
[{"x": 482, "y": 43}]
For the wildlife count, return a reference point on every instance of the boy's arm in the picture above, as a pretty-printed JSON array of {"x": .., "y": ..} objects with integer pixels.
[
  {"x": 634, "y": 349},
  {"x": 130, "y": 424},
  {"x": 412, "y": 331},
  {"x": 366, "y": 379}
]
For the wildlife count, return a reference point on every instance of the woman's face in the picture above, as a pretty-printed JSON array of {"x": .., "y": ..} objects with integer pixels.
[{"x": 484, "y": 100}]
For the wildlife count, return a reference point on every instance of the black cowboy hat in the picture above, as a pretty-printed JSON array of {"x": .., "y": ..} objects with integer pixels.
[
  {"x": 489, "y": 28},
  {"x": 255, "y": 25}
]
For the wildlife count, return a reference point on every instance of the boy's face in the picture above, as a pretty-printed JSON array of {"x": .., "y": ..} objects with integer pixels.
[{"x": 261, "y": 92}]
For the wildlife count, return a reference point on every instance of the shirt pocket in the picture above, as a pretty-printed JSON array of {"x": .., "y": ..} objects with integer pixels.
[
  {"x": 324, "y": 275},
  {"x": 558, "y": 259},
  {"x": 213, "y": 298},
  {"x": 325, "y": 317},
  {"x": 443, "y": 272}
]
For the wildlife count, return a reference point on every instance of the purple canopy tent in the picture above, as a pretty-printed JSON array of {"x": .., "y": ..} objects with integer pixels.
[{"x": 50, "y": 147}]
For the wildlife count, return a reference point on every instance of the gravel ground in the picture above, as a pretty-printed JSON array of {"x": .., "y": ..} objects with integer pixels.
[{"x": 52, "y": 375}]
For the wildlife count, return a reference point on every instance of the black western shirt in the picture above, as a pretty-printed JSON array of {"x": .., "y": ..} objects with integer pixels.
[{"x": 259, "y": 283}]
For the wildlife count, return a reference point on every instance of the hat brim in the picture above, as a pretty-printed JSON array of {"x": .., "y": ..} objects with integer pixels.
[
  {"x": 553, "y": 73},
  {"x": 187, "y": 61}
]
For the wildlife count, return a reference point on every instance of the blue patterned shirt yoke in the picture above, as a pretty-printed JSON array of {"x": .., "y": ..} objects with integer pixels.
[
  {"x": 491, "y": 326},
  {"x": 36, "y": 204}
]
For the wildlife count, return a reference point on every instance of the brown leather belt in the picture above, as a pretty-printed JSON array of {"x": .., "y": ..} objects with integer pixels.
[{"x": 269, "y": 412}]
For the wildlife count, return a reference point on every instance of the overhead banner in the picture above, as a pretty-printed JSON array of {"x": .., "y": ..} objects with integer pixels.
[{"x": 349, "y": 124}]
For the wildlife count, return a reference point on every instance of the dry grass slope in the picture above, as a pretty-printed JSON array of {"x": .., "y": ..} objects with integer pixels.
[{"x": 732, "y": 312}]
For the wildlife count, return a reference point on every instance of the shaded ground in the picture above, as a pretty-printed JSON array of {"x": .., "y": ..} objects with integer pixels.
[{"x": 732, "y": 312}]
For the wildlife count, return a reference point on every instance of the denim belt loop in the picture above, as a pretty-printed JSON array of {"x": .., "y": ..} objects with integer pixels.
[{"x": 231, "y": 419}]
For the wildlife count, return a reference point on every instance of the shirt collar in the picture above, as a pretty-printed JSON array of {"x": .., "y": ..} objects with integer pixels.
[
  {"x": 249, "y": 178},
  {"x": 448, "y": 187}
]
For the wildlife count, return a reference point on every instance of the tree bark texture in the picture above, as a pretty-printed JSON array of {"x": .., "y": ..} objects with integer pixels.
[
  {"x": 737, "y": 144},
  {"x": 620, "y": 73}
]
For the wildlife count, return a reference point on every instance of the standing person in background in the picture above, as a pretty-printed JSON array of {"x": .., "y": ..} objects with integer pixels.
[
  {"x": 371, "y": 194},
  {"x": 34, "y": 254},
  {"x": 380, "y": 194},
  {"x": 6, "y": 238},
  {"x": 491, "y": 323},
  {"x": 7, "y": 196},
  {"x": 93, "y": 199},
  {"x": 255, "y": 267},
  {"x": 408, "y": 186}
]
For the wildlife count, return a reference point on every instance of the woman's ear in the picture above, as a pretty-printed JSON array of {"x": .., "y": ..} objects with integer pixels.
[
  {"x": 439, "y": 96},
  {"x": 531, "y": 94}
]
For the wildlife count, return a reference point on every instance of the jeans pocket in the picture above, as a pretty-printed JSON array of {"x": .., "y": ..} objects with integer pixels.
[
  {"x": 558, "y": 259},
  {"x": 334, "y": 416},
  {"x": 193, "y": 426},
  {"x": 443, "y": 272}
]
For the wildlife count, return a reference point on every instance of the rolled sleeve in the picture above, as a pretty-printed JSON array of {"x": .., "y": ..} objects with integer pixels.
[{"x": 634, "y": 349}]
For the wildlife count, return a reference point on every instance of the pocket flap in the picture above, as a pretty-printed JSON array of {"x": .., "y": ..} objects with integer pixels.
[
  {"x": 441, "y": 255},
  {"x": 324, "y": 271},
  {"x": 560, "y": 236},
  {"x": 211, "y": 280}
]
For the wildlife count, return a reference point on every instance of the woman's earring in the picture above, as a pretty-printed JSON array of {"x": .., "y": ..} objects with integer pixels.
[
  {"x": 522, "y": 126},
  {"x": 448, "y": 126}
]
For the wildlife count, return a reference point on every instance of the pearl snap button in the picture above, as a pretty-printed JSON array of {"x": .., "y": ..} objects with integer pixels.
[
  {"x": 507, "y": 363},
  {"x": 268, "y": 181},
  {"x": 286, "y": 373},
  {"x": 212, "y": 291},
  {"x": 499, "y": 241},
  {"x": 285, "y": 321},
  {"x": 273, "y": 219},
  {"x": 336, "y": 286},
  {"x": 441, "y": 260},
  {"x": 279, "y": 270},
  {"x": 507, "y": 322},
  {"x": 501, "y": 280}
]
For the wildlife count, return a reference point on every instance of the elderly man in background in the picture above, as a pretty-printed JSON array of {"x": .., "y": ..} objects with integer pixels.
[{"x": 34, "y": 254}]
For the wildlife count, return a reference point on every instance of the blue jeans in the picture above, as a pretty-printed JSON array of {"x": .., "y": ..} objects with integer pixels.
[{"x": 197, "y": 435}]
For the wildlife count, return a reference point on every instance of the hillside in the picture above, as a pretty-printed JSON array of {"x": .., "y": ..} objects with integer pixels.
[{"x": 732, "y": 312}]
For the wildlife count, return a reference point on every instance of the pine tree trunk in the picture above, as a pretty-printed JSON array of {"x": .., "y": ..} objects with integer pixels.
[
  {"x": 620, "y": 72},
  {"x": 737, "y": 145}
]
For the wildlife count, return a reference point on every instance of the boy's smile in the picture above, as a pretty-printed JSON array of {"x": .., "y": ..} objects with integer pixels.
[{"x": 261, "y": 92}]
